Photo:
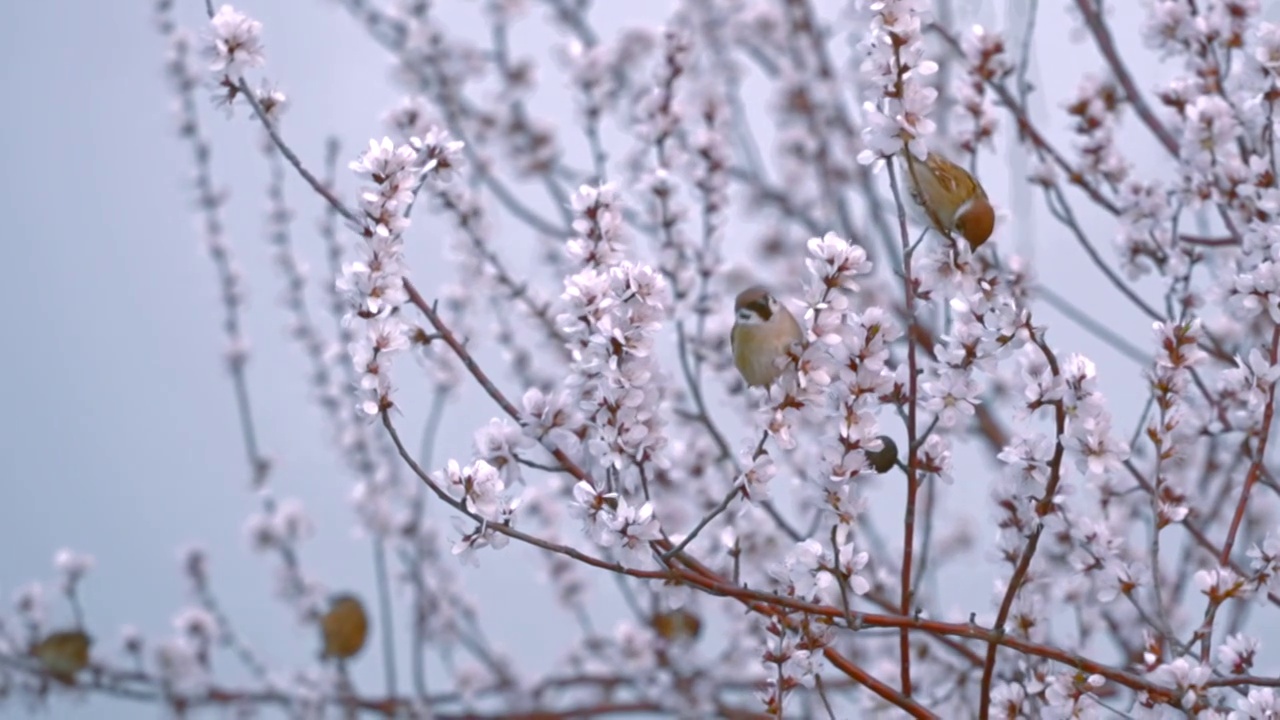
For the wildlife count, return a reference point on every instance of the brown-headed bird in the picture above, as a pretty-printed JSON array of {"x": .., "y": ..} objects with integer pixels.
[
  {"x": 950, "y": 197},
  {"x": 63, "y": 654},
  {"x": 344, "y": 627},
  {"x": 763, "y": 331}
]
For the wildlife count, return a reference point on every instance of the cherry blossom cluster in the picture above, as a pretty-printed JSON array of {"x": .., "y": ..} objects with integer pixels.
[
  {"x": 814, "y": 572},
  {"x": 1147, "y": 243},
  {"x": 237, "y": 43},
  {"x": 379, "y": 498},
  {"x": 1095, "y": 109},
  {"x": 1168, "y": 429},
  {"x": 375, "y": 284},
  {"x": 848, "y": 361},
  {"x": 794, "y": 658},
  {"x": 612, "y": 522},
  {"x": 480, "y": 487},
  {"x": 236, "y": 47},
  {"x": 985, "y": 61},
  {"x": 894, "y": 70},
  {"x": 611, "y": 310},
  {"x": 659, "y": 121}
]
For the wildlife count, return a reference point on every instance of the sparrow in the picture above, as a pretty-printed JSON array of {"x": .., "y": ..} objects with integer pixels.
[
  {"x": 677, "y": 625},
  {"x": 63, "y": 654},
  {"x": 344, "y": 627},
  {"x": 884, "y": 459},
  {"x": 952, "y": 200},
  {"x": 763, "y": 332}
]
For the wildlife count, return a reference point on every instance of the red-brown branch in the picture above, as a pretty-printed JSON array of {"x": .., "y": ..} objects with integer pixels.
[
  {"x": 1106, "y": 45},
  {"x": 1259, "y": 455},
  {"x": 1043, "y": 507}
]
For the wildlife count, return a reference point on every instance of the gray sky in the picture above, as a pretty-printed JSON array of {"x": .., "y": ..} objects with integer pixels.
[{"x": 121, "y": 437}]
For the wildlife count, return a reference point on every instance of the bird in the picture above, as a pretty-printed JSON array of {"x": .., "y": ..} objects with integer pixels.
[
  {"x": 763, "y": 331},
  {"x": 343, "y": 627},
  {"x": 63, "y": 654},
  {"x": 952, "y": 200},
  {"x": 677, "y": 625},
  {"x": 884, "y": 459}
]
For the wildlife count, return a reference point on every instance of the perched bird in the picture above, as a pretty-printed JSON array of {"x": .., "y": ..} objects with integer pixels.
[
  {"x": 883, "y": 460},
  {"x": 952, "y": 200},
  {"x": 63, "y": 654},
  {"x": 763, "y": 330},
  {"x": 677, "y": 625},
  {"x": 344, "y": 627}
]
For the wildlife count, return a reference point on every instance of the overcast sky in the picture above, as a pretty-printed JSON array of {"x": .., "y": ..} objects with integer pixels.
[{"x": 120, "y": 437}]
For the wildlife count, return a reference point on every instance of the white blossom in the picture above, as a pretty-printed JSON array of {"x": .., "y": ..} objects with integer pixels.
[
  {"x": 237, "y": 42},
  {"x": 72, "y": 566}
]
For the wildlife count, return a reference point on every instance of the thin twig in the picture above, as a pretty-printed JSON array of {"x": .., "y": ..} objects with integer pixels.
[
  {"x": 913, "y": 446},
  {"x": 1106, "y": 45},
  {"x": 1043, "y": 507},
  {"x": 1259, "y": 455}
]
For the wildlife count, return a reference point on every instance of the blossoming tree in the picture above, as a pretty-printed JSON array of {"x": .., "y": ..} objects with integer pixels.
[{"x": 1135, "y": 568}]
